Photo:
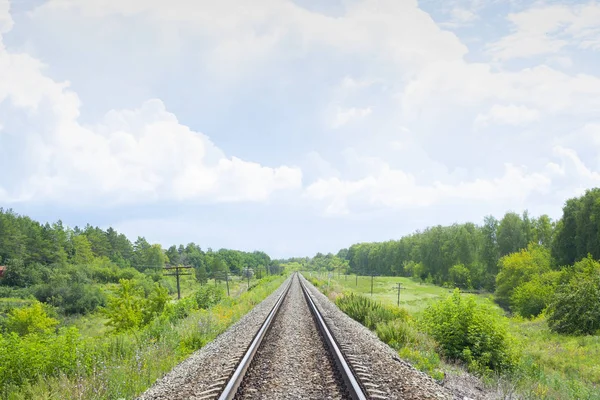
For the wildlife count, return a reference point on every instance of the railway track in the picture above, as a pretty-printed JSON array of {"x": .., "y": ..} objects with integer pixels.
[{"x": 293, "y": 355}]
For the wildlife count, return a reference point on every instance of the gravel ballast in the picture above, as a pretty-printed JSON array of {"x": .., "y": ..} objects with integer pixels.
[
  {"x": 201, "y": 375},
  {"x": 292, "y": 362},
  {"x": 288, "y": 370},
  {"x": 389, "y": 377}
]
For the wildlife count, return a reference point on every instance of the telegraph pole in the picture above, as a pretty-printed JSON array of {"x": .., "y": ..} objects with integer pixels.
[
  {"x": 227, "y": 282},
  {"x": 398, "y": 294},
  {"x": 177, "y": 274}
]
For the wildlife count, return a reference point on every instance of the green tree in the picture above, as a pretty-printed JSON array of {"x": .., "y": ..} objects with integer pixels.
[
  {"x": 575, "y": 306},
  {"x": 518, "y": 268},
  {"x": 82, "y": 250},
  {"x": 201, "y": 274},
  {"x": 125, "y": 310},
  {"x": 532, "y": 297},
  {"x": 460, "y": 276},
  {"x": 511, "y": 234}
]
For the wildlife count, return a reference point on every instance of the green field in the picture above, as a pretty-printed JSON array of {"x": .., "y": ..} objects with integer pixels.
[{"x": 553, "y": 366}]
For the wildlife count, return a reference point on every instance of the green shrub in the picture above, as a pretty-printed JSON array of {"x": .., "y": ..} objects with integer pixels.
[
  {"x": 575, "y": 306},
  {"x": 470, "y": 332},
  {"x": 396, "y": 333},
  {"x": 26, "y": 358},
  {"x": 369, "y": 312},
  {"x": 71, "y": 297},
  {"x": 531, "y": 298},
  {"x": 30, "y": 320},
  {"x": 208, "y": 296}
]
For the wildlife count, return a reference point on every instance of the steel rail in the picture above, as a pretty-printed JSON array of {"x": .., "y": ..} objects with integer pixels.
[
  {"x": 238, "y": 376},
  {"x": 352, "y": 385}
]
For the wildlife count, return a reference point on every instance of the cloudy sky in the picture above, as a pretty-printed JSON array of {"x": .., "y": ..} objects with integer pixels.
[{"x": 295, "y": 126}]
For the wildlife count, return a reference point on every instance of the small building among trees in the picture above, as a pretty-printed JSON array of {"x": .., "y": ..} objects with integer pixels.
[{"x": 2, "y": 270}]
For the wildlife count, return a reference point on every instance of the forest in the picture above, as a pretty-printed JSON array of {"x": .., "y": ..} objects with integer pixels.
[
  {"x": 82, "y": 307},
  {"x": 64, "y": 267},
  {"x": 530, "y": 264}
]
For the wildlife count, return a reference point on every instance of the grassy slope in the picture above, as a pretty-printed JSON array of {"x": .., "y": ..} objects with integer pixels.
[{"x": 555, "y": 366}]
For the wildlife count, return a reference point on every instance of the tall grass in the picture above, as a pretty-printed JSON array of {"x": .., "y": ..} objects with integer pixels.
[
  {"x": 118, "y": 366},
  {"x": 552, "y": 366},
  {"x": 394, "y": 326}
]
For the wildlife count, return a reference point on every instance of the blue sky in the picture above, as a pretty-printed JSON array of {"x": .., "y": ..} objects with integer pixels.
[{"x": 295, "y": 126}]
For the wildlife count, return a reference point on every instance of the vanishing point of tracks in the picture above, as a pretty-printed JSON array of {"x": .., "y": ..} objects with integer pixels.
[{"x": 293, "y": 356}]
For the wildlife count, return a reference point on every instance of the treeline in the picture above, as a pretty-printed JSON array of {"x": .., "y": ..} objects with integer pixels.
[
  {"x": 65, "y": 267},
  {"x": 531, "y": 264},
  {"x": 439, "y": 254}
]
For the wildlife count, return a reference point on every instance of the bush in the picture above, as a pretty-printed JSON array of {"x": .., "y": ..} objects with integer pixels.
[
  {"x": 531, "y": 298},
  {"x": 396, "y": 333},
  {"x": 30, "y": 320},
  {"x": 71, "y": 298},
  {"x": 470, "y": 332},
  {"x": 208, "y": 296},
  {"x": 26, "y": 358},
  {"x": 369, "y": 312},
  {"x": 575, "y": 306}
]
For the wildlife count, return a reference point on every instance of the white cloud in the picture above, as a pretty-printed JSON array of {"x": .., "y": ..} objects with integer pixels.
[
  {"x": 507, "y": 115},
  {"x": 541, "y": 87},
  {"x": 136, "y": 155},
  {"x": 401, "y": 48},
  {"x": 345, "y": 115},
  {"x": 6, "y": 21},
  {"x": 393, "y": 188},
  {"x": 548, "y": 29},
  {"x": 246, "y": 31}
]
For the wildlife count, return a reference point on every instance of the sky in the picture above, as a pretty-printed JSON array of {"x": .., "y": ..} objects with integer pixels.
[{"x": 295, "y": 126}]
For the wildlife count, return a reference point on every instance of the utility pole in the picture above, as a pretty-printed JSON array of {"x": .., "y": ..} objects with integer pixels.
[
  {"x": 177, "y": 274},
  {"x": 356, "y": 280},
  {"x": 227, "y": 282},
  {"x": 371, "y": 284},
  {"x": 398, "y": 294}
]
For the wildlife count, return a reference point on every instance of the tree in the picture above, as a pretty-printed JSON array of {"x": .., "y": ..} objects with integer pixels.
[
  {"x": 532, "y": 297},
  {"x": 201, "y": 274},
  {"x": 82, "y": 250},
  {"x": 518, "y": 268},
  {"x": 218, "y": 268},
  {"x": 460, "y": 276},
  {"x": 173, "y": 255},
  {"x": 511, "y": 235},
  {"x": 125, "y": 310},
  {"x": 575, "y": 306},
  {"x": 544, "y": 230}
]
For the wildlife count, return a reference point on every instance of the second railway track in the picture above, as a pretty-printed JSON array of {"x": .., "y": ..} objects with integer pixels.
[{"x": 295, "y": 356}]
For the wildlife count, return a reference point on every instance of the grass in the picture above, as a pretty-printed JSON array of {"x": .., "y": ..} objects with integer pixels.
[
  {"x": 552, "y": 366},
  {"x": 119, "y": 366}
]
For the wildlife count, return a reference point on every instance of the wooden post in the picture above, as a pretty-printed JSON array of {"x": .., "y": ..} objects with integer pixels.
[
  {"x": 227, "y": 282},
  {"x": 177, "y": 274},
  {"x": 398, "y": 294}
]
